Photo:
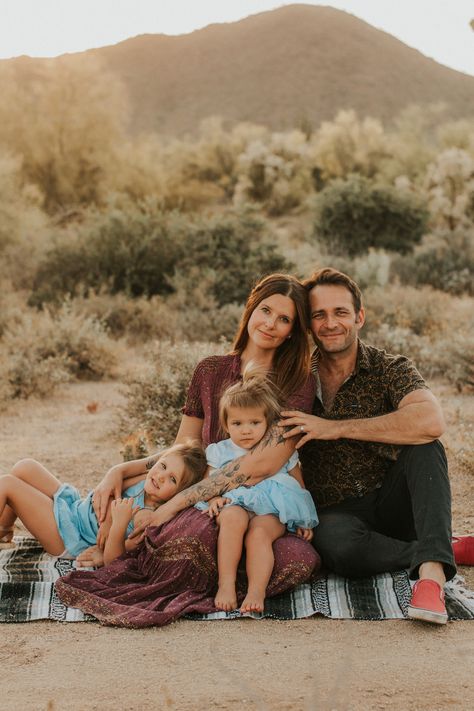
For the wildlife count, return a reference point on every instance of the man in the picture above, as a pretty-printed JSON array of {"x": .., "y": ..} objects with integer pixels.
[{"x": 370, "y": 454}]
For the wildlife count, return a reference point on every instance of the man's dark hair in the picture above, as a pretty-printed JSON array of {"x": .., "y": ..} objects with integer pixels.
[{"x": 331, "y": 277}]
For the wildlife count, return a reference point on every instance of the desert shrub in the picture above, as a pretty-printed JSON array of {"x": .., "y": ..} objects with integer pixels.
[
  {"x": 69, "y": 150},
  {"x": 231, "y": 251},
  {"x": 274, "y": 170},
  {"x": 355, "y": 214},
  {"x": 154, "y": 398},
  {"x": 423, "y": 311},
  {"x": 129, "y": 251},
  {"x": 450, "y": 187},
  {"x": 138, "y": 251},
  {"x": 411, "y": 143},
  {"x": 348, "y": 145},
  {"x": 40, "y": 350},
  {"x": 444, "y": 260},
  {"x": 450, "y": 358},
  {"x": 189, "y": 314}
]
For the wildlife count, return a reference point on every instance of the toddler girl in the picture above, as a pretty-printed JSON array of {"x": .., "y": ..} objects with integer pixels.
[
  {"x": 259, "y": 514},
  {"x": 65, "y": 524}
]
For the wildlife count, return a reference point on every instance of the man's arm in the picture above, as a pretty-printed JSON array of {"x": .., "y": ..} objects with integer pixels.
[
  {"x": 265, "y": 459},
  {"x": 417, "y": 420}
]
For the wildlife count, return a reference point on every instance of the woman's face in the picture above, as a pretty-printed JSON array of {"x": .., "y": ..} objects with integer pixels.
[{"x": 271, "y": 321}]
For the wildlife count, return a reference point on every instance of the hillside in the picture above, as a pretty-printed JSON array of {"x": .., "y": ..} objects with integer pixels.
[{"x": 279, "y": 68}]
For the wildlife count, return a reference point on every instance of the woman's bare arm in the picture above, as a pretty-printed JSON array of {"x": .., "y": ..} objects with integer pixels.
[
  {"x": 189, "y": 428},
  {"x": 264, "y": 460}
]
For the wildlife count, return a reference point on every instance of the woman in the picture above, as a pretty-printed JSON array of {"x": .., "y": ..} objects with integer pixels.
[{"x": 174, "y": 572}]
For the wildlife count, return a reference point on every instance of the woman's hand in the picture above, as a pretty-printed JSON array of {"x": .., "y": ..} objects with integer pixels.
[
  {"x": 109, "y": 488},
  {"x": 309, "y": 426}
]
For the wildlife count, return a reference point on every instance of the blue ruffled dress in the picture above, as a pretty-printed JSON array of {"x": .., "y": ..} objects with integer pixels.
[
  {"x": 75, "y": 518},
  {"x": 280, "y": 494}
]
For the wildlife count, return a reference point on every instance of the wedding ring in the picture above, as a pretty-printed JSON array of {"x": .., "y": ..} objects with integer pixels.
[{"x": 302, "y": 428}]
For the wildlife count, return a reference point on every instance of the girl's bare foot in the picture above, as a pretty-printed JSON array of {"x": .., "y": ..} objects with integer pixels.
[
  {"x": 226, "y": 599},
  {"x": 92, "y": 557},
  {"x": 253, "y": 602},
  {"x": 6, "y": 538}
]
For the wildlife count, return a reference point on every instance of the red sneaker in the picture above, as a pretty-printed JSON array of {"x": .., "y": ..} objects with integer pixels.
[
  {"x": 463, "y": 549},
  {"x": 427, "y": 603}
]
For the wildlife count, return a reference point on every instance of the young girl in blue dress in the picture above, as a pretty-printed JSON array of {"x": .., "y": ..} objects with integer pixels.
[
  {"x": 255, "y": 516},
  {"x": 65, "y": 524}
]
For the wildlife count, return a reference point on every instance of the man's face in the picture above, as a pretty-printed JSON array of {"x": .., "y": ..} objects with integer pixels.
[{"x": 334, "y": 322}]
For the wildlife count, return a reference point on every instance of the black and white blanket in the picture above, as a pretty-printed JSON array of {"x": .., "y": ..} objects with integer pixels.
[{"x": 27, "y": 576}]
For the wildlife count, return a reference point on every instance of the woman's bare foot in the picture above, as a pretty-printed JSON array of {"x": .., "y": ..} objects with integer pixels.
[
  {"x": 92, "y": 557},
  {"x": 226, "y": 599},
  {"x": 6, "y": 538},
  {"x": 253, "y": 602}
]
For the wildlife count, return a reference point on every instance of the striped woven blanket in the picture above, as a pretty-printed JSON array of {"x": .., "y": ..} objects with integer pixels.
[{"x": 27, "y": 576}]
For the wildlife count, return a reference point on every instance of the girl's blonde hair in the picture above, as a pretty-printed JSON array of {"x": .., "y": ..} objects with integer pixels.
[
  {"x": 194, "y": 459},
  {"x": 254, "y": 390}
]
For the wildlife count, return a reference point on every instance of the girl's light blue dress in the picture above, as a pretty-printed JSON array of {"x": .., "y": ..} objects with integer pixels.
[
  {"x": 76, "y": 520},
  {"x": 280, "y": 494}
]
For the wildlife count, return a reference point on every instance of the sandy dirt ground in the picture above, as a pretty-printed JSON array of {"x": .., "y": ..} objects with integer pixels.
[{"x": 308, "y": 665}]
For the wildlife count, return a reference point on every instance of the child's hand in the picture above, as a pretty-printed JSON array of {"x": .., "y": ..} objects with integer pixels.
[
  {"x": 122, "y": 511},
  {"x": 104, "y": 530},
  {"x": 215, "y": 505},
  {"x": 305, "y": 533}
]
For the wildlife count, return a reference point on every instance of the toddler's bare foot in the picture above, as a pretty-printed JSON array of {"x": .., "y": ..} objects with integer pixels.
[
  {"x": 92, "y": 557},
  {"x": 254, "y": 602},
  {"x": 226, "y": 599}
]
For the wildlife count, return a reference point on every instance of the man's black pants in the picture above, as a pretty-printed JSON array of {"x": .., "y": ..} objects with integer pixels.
[{"x": 404, "y": 523}]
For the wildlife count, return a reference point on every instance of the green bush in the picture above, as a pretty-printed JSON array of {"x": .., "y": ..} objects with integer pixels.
[
  {"x": 355, "y": 214},
  {"x": 117, "y": 251},
  {"x": 233, "y": 251},
  {"x": 137, "y": 252},
  {"x": 156, "y": 396}
]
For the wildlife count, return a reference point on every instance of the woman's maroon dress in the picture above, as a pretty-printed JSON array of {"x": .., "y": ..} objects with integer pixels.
[{"x": 174, "y": 571}]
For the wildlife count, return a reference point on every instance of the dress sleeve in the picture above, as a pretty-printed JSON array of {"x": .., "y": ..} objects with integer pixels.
[
  {"x": 213, "y": 457},
  {"x": 303, "y": 398},
  {"x": 403, "y": 378},
  {"x": 193, "y": 407}
]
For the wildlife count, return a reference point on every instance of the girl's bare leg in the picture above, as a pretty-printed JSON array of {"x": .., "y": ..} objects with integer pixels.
[
  {"x": 233, "y": 521},
  {"x": 35, "y": 474},
  {"x": 34, "y": 508},
  {"x": 263, "y": 530}
]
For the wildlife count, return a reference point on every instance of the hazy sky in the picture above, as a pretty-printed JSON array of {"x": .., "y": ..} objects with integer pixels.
[{"x": 45, "y": 28}]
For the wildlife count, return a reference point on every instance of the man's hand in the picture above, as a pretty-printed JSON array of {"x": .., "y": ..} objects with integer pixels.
[
  {"x": 216, "y": 505},
  {"x": 305, "y": 533},
  {"x": 309, "y": 426}
]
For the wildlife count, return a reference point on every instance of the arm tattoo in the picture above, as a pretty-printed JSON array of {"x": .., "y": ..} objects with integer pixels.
[{"x": 230, "y": 476}]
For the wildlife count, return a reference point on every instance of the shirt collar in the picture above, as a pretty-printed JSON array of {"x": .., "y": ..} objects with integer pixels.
[{"x": 362, "y": 360}]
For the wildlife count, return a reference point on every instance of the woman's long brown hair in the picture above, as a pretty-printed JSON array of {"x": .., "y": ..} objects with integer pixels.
[{"x": 291, "y": 362}]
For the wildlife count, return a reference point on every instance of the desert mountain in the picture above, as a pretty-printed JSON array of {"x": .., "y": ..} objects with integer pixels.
[{"x": 299, "y": 63}]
